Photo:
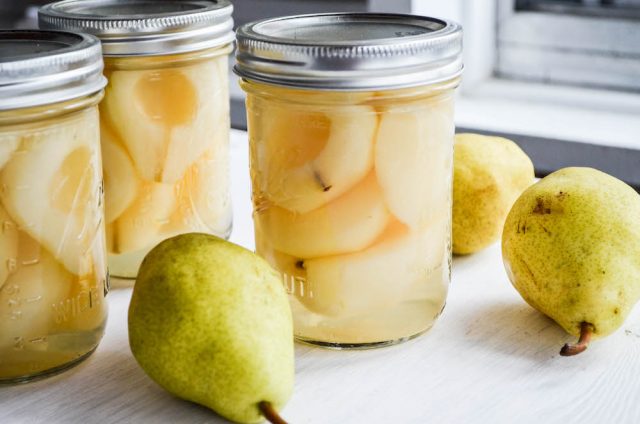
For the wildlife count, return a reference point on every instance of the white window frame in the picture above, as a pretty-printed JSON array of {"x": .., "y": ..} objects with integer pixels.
[{"x": 487, "y": 102}]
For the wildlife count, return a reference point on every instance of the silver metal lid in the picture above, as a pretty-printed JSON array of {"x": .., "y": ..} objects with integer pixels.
[
  {"x": 349, "y": 51},
  {"x": 44, "y": 67},
  {"x": 144, "y": 27}
]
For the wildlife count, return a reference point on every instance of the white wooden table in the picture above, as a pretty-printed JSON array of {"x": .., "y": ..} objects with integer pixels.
[{"x": 489, "y": 359}]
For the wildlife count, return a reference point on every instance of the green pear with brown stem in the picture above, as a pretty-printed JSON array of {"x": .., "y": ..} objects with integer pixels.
[
  {"x": 571, "y": 247},
  {"x": 210, "y": 322}
]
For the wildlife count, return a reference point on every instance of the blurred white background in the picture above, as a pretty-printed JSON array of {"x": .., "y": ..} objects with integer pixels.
[{"x": 567, "y": 69}]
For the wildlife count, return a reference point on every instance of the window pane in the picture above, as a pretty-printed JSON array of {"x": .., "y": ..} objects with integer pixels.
[
  {"x": 626, "y": 9},
  {"x": 592, "y": 43}
]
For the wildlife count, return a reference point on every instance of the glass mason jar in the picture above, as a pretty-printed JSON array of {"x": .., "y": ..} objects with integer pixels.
[
  {"x": 53, "y": 274},
  {"x": 351, "y": 145},
  {"x": 164, "y": 118}
]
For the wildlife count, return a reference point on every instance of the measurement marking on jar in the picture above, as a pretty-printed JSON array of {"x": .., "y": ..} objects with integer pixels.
[
  {"x": 27, "y": 226},
  {"x": 13, "y": 302},
  {"x": 33, "y": 299},
  {"x": 30, "y": 262},
  {"x": 12, "y": 289},
  {"x": 313, "y": 122},
  {"x": 8, "y": 226},
  {"x": 18, "y": 343},
  {"x": 34, "y": 366},
  {"x": 12, "y": 265},
  {"x": 139, "y": 222}
]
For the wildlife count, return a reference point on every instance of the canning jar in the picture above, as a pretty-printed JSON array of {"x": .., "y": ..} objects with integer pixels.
[
  {"x": 164, "y": 119},
  {"x": 53, "y": 275},
  {"x": 350, "y": 121}
]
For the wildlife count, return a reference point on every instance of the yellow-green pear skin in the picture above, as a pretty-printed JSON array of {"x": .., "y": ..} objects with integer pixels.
[
  {"x": 571, "y": 247},
  {"x": 210, "y": 322},
  {"x": 489, "y": 173}
]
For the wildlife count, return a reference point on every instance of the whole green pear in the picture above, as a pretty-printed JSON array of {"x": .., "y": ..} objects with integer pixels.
[
  {"x": 571, "y": 247},
  {"x": 489, "y": 173},
  {"x": 210, "y": 322}
]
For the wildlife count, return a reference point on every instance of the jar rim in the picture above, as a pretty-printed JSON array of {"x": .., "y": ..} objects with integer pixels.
[
  {"x": 45, "y": 67},
  {"x": 143, "y": 27},
  {"x": 349, "y": 51}
]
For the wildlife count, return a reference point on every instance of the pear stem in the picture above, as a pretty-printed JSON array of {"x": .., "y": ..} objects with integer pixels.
[
  {"x": 586, "y": 331},
  {"x": 270, "y": 413}
]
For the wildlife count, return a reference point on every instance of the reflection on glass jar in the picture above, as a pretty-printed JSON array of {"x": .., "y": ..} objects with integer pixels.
[
  {"x": 165, "y": 143},
  {"x": 352, "y": 196},
  {"x": 53, "y": 278},
  {"x": 164, "y": 119}
]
